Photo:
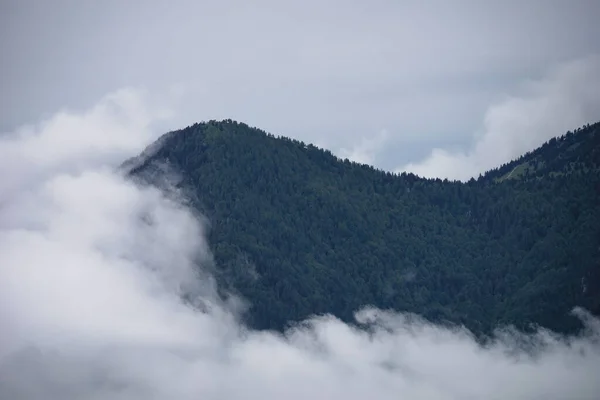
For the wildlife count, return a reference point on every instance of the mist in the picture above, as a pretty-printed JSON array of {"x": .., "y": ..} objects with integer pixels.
[
  {"x": 106, "y": 292},
  {"x": 564, "y": 99}
]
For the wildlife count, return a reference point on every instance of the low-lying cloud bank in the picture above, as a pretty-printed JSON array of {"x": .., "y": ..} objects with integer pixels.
[
  {"x": 565, "y": 99},
  {"x": 93, "y": 270}
]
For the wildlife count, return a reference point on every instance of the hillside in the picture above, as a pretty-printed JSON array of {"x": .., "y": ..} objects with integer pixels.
[
  {"x": 574, "y": 152},
  {"x": 297, "y": 231}
]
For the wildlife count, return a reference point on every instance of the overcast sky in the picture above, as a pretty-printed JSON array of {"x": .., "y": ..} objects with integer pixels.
[{"x": 403, "y": 85}]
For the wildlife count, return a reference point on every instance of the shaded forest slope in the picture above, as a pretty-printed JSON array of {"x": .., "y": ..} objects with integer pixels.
[{"x": 297, "y": 231}]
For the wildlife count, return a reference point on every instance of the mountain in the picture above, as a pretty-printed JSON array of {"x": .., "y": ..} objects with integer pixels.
[{"x": 297, "y": 231}]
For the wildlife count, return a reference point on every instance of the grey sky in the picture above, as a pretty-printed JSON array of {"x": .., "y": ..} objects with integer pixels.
[{"x": 336, "y": 73}]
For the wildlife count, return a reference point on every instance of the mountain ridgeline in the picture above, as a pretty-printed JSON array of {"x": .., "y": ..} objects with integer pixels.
[{"x": 297, "y": 231}]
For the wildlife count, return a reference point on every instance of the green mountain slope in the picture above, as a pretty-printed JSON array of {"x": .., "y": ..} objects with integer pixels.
[
  {"x": 297, "y": 231},
  {"x": 572, "y": 153}
]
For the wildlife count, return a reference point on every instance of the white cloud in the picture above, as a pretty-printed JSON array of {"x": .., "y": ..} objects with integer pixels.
[
  {"x": 119, "y": 125},
  {"x": 565, "y": 99},
  {"x": 367, "y": 149},
  {"x": 92, "y": 268}
]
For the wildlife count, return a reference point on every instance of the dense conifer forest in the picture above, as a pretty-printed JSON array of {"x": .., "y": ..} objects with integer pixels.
[{"x": 297, "y": 231}]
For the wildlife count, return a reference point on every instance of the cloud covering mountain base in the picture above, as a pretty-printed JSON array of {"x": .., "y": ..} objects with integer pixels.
[{"x": 94, "y": 270}]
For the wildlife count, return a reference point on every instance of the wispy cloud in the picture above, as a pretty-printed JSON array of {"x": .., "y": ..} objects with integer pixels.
[
  {"x": 565, "y": 99},
  {"x": 92, "y": 273},
  {"x": 367, "y": 149}
]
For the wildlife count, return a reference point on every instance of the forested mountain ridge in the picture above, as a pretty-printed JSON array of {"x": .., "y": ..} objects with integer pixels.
[
  {"x": 576, "y": 151},
  {"x": 297, "y": 231}
]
